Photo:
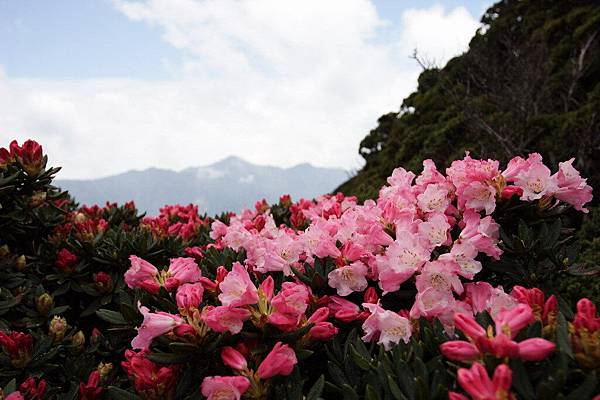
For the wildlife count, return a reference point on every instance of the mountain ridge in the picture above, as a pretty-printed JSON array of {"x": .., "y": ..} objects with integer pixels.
[{"x": 226, "y": 185}]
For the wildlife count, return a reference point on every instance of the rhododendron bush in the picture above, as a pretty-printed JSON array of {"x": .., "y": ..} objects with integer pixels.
[{"x": 442, "y": 287}]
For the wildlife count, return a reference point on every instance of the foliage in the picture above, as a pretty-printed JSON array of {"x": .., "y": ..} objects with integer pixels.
[{"x": 81, "y": 286}]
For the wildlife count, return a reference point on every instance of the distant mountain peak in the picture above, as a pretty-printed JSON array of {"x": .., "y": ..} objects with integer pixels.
[{"x": 227, "y": 185}]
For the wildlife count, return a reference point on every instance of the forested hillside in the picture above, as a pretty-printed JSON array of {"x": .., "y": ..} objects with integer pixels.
[{"x": 530, "y": 82}]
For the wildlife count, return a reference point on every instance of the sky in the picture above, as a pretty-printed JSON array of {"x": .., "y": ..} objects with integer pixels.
[{"x": 108, "y": 86}]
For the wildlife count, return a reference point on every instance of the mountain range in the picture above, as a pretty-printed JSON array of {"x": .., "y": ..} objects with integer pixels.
[{"x": 228, "y": 185}]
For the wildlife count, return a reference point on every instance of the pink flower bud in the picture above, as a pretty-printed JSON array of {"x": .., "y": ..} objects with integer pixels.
[
  {"x": 371, "y": 296},
  {"x": 468, "y": 325},
  {"x": 267, "y": 287},
  {"x": 221, "y": 273},
  {"x": 323, "y": 331},
  {"x": 456, "y": 396},
  {"x": 535, "y": 349},
  {"x": 189, "y": 295},
  {"x": 184, "y": 330},
  {"x": 319, "y": 315},
  {"x": 208, "y": 284},
  {"x": 150, "y": 286},
  {"x": 280, "y": 361},
  {"x": 510, "y": 322},
  {"x": 459, "y": 350},
  {"x": 233, "y": 358}
]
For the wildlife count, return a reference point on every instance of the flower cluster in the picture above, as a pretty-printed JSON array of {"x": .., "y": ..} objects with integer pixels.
[{"x": 440, "y": 284}]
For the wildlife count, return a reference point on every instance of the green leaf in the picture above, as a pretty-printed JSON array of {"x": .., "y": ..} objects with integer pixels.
[
  {"x": 116, "y": 393},
  {"x": 336, "y": 373},
  {"x": 586, "y": 390},
  {"x": 169, "y": 358},
  {"x": 562, "y": 336},
  {"x": 114, "y": 317},
  {"x": 521, "y": 381},
  {"x": 349, "y": 393},
  {"x": 317, "y": 389},
  {"x": 396, "y": 392},
  {"x": 362, "y": 362},
  {"x": 371, "y": 393},
  {"x": 10, "y": 387}
]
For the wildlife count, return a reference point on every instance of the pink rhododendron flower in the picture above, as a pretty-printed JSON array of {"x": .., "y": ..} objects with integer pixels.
[
  {"x": 439, "y": 275},
  {"x": 154, "y": 325},
  {"x": 501, "y": 345},
  {"x": 385, "y": 326},
  {"x": 289, "y": 305},
  {"x": 482, "y": 233},
  {"x": 217, "y": 229},
  {"x": 460, "y": 350},
  {"x": 182, "y": 270},
  {"x": 479, "y": 196},
  {"x": 224, "y": 387},
  {"x": 432, "y": 303},
  {"x": 435, "y": 230},
  {"x": 15, "y": 396},
  {"x": 139, "y": 272},
  {"x": 280, "y": 361},
  {"x": 189, "y": 295},
  {"x": 543, "y": 309},
  {"x": 572, "y": 188},
  {"x": 402, "y": 259},
  {"x": 318, "y": 242},
  {"x": 237, "y": 289},
  {"x": 323, "y": 331},
  {"x": 434, "y": 199},
  {"x": 478, "y": 295},
  {"x": 463, "y": 253},
  {"x": 510, "y": 322},
  {"x": 225, "y": 318},
  {"x": 349, "y": 278},
  {"x": 535, "y": 181}
]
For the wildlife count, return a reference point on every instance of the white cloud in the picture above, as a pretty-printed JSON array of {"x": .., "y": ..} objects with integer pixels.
[
  {"x": 437, "y": 35},
  {"x": 273, "y": 82}
]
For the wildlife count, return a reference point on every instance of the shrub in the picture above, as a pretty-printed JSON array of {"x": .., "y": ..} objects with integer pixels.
[{"x": 446, "y": 285}]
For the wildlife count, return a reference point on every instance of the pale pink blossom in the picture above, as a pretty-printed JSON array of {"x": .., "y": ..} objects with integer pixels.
[
  {"x": 224, "y": 387},
  {"x": 348, "y": 278},
  {"x": 463, "y": 253},
  {"x": 237, "y": 289},
  {"x": 139, "y": 272},
  {"x": 387, "y": 327},
  {"x": 482, "y": 233},
  {"x": 478, "y": 196},
  {"x": 402, "y": 259},
  {"x": 435, "y": 230},
  {"x": 434, "y": 199},
  {"x": 572, "y": 188},
  {"x": 225, "y": 318},
  {"x": 439, "y": 275},
  {"x": 536, "y": 182},
  {"x": 154, "y": 325}
]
